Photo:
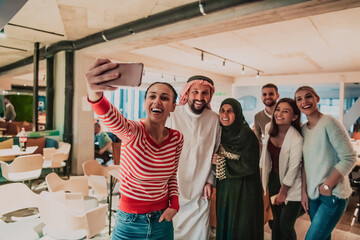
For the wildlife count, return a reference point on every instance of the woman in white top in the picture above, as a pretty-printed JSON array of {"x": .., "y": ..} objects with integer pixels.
[
  {"x": 280, "y": 165},
  {"x": 328, "y": 159}
]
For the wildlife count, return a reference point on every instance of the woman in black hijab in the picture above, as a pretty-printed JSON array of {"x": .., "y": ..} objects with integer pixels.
[{"x": 239, "y": 202}]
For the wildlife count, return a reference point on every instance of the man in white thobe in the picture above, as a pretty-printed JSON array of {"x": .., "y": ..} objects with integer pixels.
[{"x": 201, "y": 129}]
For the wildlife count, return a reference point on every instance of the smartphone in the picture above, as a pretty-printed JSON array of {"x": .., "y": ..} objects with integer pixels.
[{"x": 130, "y": 74}]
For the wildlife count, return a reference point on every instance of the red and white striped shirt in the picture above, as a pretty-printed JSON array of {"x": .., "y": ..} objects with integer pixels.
[{"x": 148, "y": 180}]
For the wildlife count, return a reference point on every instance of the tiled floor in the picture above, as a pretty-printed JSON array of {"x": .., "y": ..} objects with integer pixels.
[{"x": 343, "y": 231}]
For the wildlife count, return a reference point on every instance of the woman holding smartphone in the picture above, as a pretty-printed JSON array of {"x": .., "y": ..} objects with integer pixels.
[
  {"x": 328, "y": 159},
  {"x": 280, "y": 166},
  {"x": 149, "y": 158}
]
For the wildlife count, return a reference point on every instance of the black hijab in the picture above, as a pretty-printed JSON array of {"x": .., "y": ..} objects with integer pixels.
[{"x": 239, "y": 139}]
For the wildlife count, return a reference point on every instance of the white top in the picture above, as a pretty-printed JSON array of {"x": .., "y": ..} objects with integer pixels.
[
  {"x": 289, "y": 163},
  {"x": 327, "y": 146},
  {"x": 201, "y": 139}
]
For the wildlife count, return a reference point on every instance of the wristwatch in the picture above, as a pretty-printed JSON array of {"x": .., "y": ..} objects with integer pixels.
[{"x": 326, "y": 187}]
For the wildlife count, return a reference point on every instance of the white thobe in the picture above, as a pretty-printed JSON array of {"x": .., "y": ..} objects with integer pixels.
[{"x": 201, "y": 139}]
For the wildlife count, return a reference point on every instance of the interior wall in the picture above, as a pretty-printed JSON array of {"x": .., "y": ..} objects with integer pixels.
[{"x": 328, "y": 83}]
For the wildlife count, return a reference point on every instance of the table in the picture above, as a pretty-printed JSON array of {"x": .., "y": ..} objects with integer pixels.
[
  {"x": 7, "y": 152},
  {"x": 114, "y": 177}
]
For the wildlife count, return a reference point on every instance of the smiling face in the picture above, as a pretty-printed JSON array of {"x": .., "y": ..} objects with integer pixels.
[
  {"x": 307, "y": 101},
  {"x": 284, "y": 114},
  {"x": 199, "y": 97},
  {"x": 159, "y": 102},
  {"x": 269, "y": 96},
  {"x": 226, "y": 115}
]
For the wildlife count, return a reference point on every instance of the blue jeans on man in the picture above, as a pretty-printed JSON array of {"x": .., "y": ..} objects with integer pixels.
[{"x": 325, "y": 212}]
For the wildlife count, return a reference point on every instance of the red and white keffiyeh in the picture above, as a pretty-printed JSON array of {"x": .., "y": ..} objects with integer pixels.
[{"x": 184, "y": 92}]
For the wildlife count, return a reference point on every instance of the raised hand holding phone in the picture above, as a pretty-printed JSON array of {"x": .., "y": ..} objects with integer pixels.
[
  {"x": 94, "y": 76},
  {"x": 105, "y": 75},
  {"x": 129, "y": 74}
]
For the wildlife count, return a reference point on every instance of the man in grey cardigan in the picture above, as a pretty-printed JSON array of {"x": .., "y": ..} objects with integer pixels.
[{"x": 269, "y": 96}]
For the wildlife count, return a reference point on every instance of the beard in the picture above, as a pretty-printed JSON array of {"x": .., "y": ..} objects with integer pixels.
[
  {"x": 272, "y": 103},
  {"x": 195, "y": 110}
]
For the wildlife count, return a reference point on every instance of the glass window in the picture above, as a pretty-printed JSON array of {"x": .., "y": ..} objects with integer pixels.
[{"x": 142, "y": 112}]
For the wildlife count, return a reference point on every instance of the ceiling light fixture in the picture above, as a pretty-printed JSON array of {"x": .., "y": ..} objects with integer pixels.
[
  {"x": 2, "y": 33},
  {"x": 201, "y": 8},
  {"x": 228, "y": 60}
]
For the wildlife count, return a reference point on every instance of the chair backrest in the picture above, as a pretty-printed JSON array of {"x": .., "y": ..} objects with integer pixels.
[
  {"x": 60, "y": 220},
  {"x": 47, "y": 152},
  {"x": 57, "y": 159},
  {"x": 116, "y": 147},
  {"x": 39, "y": 142},
  {"x": 23, "y": 168},
  {"x": 77, "y": 184},
  {"x": 92, "y": 167},
  {"x": 57, "y": 217},
  {"x": 16, "y": 196},
  {"x": 7, "y": 144},
  {"x": 64, "y": 147}
]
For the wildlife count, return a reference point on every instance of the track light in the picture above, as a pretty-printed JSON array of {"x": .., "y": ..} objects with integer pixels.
[
  {"x": 2, "y": 33},
  {"x": 201, "y": 8},
  {"x": 224, "y": 60}
]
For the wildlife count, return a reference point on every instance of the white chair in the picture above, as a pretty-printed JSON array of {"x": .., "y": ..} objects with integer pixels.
[
  {"x": 93, "y": 167},
  {"x": 57, "y": 158},
  {"x": 76, "y": 184},
  {"x": 63, "y": 223},
  {"x": 23, "y": 168},
  {"x": 99, "y": 177},
  {"x": 17, "y": 196}
]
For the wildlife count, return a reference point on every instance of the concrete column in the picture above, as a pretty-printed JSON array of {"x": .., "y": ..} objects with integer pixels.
[
  {"x": 83, "y": 119},
  {"x": 59, "y": 92}
]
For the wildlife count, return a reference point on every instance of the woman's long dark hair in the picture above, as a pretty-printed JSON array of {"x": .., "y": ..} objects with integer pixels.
[{"x": 274, "y": 128}]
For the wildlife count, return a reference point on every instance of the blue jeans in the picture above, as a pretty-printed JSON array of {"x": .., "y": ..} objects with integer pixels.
[
  {"x": 325, "y": 212},
  {"x": 130, "y": 226}
]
